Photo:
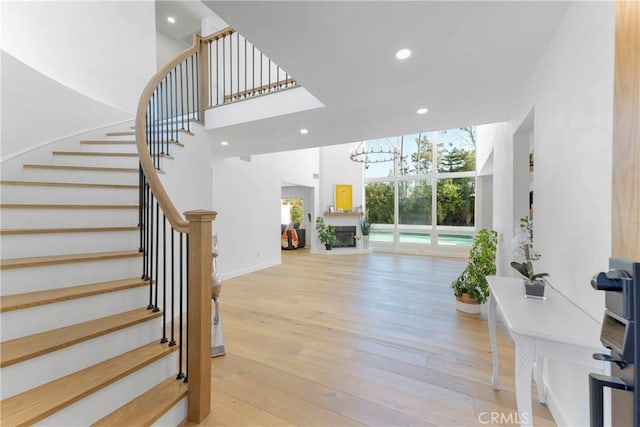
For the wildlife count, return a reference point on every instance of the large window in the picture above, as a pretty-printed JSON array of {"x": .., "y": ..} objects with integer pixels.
[{"x": 426, "y": 194}]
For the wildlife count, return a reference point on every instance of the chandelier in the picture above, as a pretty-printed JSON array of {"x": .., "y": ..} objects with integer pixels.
[{"x": 374, "y": 152}]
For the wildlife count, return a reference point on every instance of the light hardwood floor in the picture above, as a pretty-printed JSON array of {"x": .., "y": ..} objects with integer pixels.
[{"x": 356, "y": 340}]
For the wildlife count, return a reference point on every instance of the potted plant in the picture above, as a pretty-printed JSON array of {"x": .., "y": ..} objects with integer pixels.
[
  {"x": 326, "y": 233},
  {"x": 365, "y": 229},
  {"x": 471, "y": 288},
  {"x": 534, "y": 284}
]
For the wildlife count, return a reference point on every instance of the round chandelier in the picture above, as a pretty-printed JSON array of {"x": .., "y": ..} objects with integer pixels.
[{"x": 374, "y": 153}]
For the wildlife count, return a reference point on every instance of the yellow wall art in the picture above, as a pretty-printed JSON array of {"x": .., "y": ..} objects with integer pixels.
[{"x": 344, "y": 197}]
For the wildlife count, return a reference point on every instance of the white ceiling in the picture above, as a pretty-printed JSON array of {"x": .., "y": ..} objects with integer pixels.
[
  {"x": 469, "y": 64},
  {"x": 188, "y": 15}
]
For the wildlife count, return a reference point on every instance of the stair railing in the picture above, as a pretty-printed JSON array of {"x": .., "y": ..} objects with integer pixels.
[
  {"x": 217, "y": 69},
  {"x": 169, "y": 102}
]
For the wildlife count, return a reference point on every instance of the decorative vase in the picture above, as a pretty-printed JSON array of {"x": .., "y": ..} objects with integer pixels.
[
  {"x": 328, "y": 246},
  {"x": 534, "y": 288},
  {"x": 466, "y": 304},
  {"x": 365, "y": 241}
]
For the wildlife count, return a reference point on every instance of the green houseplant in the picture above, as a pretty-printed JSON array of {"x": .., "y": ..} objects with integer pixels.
[
  {"x": 365, "y": 229},
  {"x": 326, "y": 233},
  {"x": 471, "y": 288}
]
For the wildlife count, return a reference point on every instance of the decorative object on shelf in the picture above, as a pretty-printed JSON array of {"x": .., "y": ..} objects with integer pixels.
[
  {"x": 217, "y": 337},
  {"x": 371, "y": 154},
  {"x": 534, "y": 284},
  {"x": 365, "y": 229},
  {"x": 326, "y": 233},
  {"x": 471, "y": 288}
]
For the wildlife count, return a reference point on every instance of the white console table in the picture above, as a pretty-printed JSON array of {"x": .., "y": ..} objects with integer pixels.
[{"x": 552, "y": 328}]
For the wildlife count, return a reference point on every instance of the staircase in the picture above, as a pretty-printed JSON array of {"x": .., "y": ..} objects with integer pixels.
[{"x": 79, "y": 345}]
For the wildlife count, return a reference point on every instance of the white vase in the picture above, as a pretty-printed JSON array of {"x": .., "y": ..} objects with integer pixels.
[{"x": 365, "y": 242}]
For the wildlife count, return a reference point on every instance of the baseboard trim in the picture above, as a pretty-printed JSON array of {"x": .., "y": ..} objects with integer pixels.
[{"x": 253, "y": 268}]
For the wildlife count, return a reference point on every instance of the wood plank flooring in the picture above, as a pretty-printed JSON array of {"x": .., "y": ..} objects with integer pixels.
[{"x": 356, "y": 340}]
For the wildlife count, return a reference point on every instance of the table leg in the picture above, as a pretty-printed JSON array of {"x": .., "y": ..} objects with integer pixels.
[
  {"x": 539, "y": 369},
  {"x": 524, "y": 365},
  {"x": 494, "y": 342}
]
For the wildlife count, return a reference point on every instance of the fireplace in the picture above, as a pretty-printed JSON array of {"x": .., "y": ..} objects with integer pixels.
[{"x": 345, "y": 237}]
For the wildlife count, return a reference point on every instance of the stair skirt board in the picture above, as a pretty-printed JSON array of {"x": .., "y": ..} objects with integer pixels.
[
  {"x": 53, "y": 276},
  {"x": 23, "y": 245},
  {"x": 41, "y": 318},
  {"x": 174, "y": 416},
  {"x": 34, "y": 372}
]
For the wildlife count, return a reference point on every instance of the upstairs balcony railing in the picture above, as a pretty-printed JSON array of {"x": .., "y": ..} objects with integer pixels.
[{"x": 217, "y": 69}]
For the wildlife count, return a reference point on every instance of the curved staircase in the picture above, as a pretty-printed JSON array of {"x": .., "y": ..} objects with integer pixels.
[{"x": 79, "y": 345}]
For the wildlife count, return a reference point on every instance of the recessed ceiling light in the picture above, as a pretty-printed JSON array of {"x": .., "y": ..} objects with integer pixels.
[
  {"x": 224, "y": 143},
  {"x": 171, "y": 20},
  {"x": 403, "y": 54},
  {"x": 422, "y": 110},
  {"x": 304, "y": 131}
]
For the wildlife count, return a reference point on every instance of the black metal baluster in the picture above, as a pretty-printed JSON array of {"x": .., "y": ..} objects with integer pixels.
[
  {"x": 224, "y": 78},
  {"x": 164, "y": 280},
  {"x": 174, "y": 124},
  {"x": 180, "y": 348},
  {"x": 169, "y": 135},
  {"x": 186, "y": 376},
  {"x": 193, "y": 88},
  {"x": 145, "y": 254},
  {"x": 197, "y": 84},
  {"x": 269, "y": 77},
  {"x": 278, "y": 85},
  {"x": 261, "y": 72},
  {"x": 246, "y": 88},
  {"x": 181, "y": 96},
  {"x": 253, "y": 70},
  {"x": 155, "y": 305},
  {"x": 230, "y": 67},
  {"x": 217, "y": 71},
  {"x": 152, "y": 277},
  {"x": 173, "y": 288},
  {"x": 210, "y": 70},
  {"x": 238, "y": 67}
]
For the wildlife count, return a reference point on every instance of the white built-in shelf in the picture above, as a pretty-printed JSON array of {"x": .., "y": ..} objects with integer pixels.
[{"x": 343, "y": 214}]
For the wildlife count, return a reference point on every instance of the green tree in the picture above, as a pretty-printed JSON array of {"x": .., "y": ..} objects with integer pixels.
[
  {"x": 379, "y": 197},
  {"x": 297, "y": 208}
]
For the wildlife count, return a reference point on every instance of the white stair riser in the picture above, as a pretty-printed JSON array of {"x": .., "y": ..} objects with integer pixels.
[
  {"x": 85, "y": 195},
  {"x": 99, "y": 404},
  {"x": 98, "y": 161},
  {"x": 41, "y": 370},
  {"x": 47, "y": 218},
  {"x": 30, "y": 245},
  {"x": 96, "y": 177},
  {"x": 19, "y": 280},
  {"x": 174, "y": 416},
  {"x": 107, "y": 148},
  {"x": 33, "y": 320}
]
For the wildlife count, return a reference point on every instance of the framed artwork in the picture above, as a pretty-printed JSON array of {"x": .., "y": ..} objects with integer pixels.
[{"x": 344, "y": 197}]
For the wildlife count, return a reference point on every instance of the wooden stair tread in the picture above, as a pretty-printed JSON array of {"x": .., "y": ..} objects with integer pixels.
[
  {"x": 80, "y": 168},
  {"x": 62, "y": 206},
  {"x": 125, "y": 133},
  {"x": 14, "y": 231},
  {"x": 123, "y": 142},
  {"x": 38, "y": 403},
  {"x": 25, "y": 348},
  {"x": 11, "y": 263},
  {"x": 68, "y": 184},
  {"x": 33, "y": 299},
  {"x": 94, "y": 154},
  {"x": 149, "y": 406}
]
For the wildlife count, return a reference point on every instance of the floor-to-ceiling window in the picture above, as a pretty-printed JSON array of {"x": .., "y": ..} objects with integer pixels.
[{"x": 425, "y": 194}]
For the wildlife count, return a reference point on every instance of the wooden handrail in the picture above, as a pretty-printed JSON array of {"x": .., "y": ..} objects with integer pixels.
[{"x": 166, "y": 204}]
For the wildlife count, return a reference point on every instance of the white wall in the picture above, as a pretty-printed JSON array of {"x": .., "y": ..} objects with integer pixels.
[
  {"x": 104, "y": 50},
  {"x": 571, "y": 91},
  {"x": 37, "y": 110},
  {"x": 167, "y": 49},
  {"x": 246, "y": 195},
  {"x": 337, "y": 168}
]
